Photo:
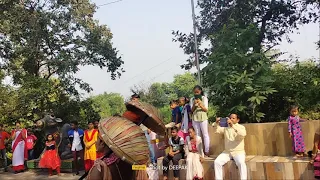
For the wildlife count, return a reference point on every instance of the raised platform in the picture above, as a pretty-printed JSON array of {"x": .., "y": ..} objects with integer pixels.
[
  {"x": 66, "y": 165},
  {"x": 259, "y": 167},
  {"x": 267, "y": 139}
]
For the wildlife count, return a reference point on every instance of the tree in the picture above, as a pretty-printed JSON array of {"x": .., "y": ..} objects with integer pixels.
[
  {"x": 108, "y": 104},
  {"x": 45, "y": 39},
  {"x": 239, "y": 79},
  {"x": 274, "y": 19}
]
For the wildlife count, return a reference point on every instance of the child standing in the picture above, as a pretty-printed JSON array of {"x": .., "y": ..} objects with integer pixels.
[
  {"x": 90, "y": 153},
  {"x": 50, "y": 158},
  {"x": 31, "y": 141},
  {"x": 186, "y": 116},
  {"x": 295, "y": 132},
  {"x": 176, "y": 114},
  {"x": 175, "y": 153}
]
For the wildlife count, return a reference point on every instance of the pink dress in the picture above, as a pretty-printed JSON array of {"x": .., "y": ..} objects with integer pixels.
[{"x": 294, "y": 127}]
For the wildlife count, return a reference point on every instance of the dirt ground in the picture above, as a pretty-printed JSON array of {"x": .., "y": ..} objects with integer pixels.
[{"x": 37, "y": 175}]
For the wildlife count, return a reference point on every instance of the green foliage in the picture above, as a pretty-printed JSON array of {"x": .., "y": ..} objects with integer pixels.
[
  {"x": 43, "y": 39},
  {"x": 238, "y": 71},
  {"x": 160, "y": 94},
  {"x": 298, "y": 84},
  {"x": 108, "y": 104},
  {"x": 273, "y": 19},
  {"x": 240, "y": 81}
]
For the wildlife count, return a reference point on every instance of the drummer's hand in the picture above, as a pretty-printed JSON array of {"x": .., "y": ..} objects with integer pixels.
[
  {"x": 171, "y": 154},
  {"x": 149, "y": 131}
]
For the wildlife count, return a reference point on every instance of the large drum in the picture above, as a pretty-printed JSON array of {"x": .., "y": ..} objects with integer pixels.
[
  {"x": 125, "y": 139},
  {"x": 149, "y": 116}
]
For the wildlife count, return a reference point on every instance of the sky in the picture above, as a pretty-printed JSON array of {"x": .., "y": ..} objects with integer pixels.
[{"x": 142, "y": 34}]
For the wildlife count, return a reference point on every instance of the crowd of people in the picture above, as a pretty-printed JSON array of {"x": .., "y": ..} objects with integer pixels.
[
  {"x": 189, "y": 122},
  {"x": 81, "y": 143},
  {"x": 192, "y": 116}
]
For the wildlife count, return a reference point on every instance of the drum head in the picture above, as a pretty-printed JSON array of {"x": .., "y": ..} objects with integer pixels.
[{"x": 152, "y": 117}]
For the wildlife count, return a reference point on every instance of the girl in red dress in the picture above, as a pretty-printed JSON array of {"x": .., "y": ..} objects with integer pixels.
[{"x": 50, "y": 158}]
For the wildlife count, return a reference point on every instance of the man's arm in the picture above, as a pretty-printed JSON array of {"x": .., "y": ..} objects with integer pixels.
[{"x": 240, "y": 130}]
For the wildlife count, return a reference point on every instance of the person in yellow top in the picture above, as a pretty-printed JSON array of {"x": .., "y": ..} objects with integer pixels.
[
  {"x": 90, "y": 153},
  {"x": 234, "y": 135}
]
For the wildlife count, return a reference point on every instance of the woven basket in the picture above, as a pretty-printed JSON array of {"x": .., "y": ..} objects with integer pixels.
[
  {"x": 125, "y": 139},
  {"x": 149, "y": 114}
]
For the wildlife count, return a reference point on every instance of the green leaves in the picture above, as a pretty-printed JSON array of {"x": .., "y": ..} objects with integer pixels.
[{"x": 54, "y": 38}]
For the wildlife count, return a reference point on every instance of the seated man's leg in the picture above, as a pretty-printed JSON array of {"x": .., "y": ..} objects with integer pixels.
[
  {"x": 240, "y": 160},
  {"x": 165, "y": 165},
  {"x": 221, "y": 160},
  {"x": 175, "y": 162}
]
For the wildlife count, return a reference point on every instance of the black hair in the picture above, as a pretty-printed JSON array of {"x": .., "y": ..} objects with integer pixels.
[
  {"x": 174, "y": 128},
  {"x": 191, "y": 128},
  {"x": 174, "y": 102},
  {"x": 186, "y": 100},
  {"x": 17, "y": 122},
  {"x": 1, "y": 125},
  {"x": 90, "y": 122},
  {"x": 200, "y": 88},
  {"x": 48, "y": 136},
  {"x": 293, "y": 107},
  {"x": 238, "y": 116},
  {"x": 74, "y": 122},
  {"x": 117, "y": 115},
  {"x": 135, "y": 96}
]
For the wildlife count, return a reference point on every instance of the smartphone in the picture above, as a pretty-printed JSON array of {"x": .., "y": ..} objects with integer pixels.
[
  {"x": 223, "y": 122},
  {"x": 199, "y": 96}
]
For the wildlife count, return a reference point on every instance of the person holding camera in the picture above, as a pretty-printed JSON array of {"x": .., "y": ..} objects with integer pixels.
[
  {"x": 234, "y": 135},
  {"x": 199, "y": 108}
]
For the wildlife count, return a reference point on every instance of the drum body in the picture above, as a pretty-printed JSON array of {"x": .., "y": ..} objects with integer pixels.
[{"x": 125, "y": 139}]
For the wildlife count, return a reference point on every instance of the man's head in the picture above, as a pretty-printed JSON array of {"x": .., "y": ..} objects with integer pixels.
[
  {"x": 29, "y": 131},
  {"x": 90, "y": 125},
  {"x": 234, "y": 118},
  {"x": 135, "y": 97},
  {"x": 96, "y": 124},
  {"x": 174, "y": 131},
  {"x": 173, "y": 104},
  {"x": 74, "y": 125}
]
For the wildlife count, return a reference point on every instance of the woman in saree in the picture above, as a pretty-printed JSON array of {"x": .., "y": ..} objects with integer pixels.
[{"x": 19, "y": 149}]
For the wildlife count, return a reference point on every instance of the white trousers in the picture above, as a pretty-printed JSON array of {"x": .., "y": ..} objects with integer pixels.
[
  {"x": 201, "y": 127},
  {"x": 223, "y": 158}
]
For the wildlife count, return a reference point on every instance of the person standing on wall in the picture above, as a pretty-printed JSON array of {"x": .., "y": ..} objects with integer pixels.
[
  {"x": 199, "y": 108},
  {"x": 76, "y": 143}
]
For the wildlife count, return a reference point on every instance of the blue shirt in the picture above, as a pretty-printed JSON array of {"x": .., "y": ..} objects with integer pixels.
[{"x": 176, "y": 112}]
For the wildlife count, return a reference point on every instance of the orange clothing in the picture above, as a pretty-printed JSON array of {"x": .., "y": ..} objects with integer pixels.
[
  {"x": 90, "y": 139},
  {"x": 3, "y": 136}
]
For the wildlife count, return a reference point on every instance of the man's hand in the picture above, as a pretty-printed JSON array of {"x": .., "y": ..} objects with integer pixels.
[
  {"x": 290, "y": 135},
  {"x": 218, "y": 121},
  {"x": 201, "y": 159},
  {"x": 171, "y": 154},
  {"x": 230, "y": 122}
]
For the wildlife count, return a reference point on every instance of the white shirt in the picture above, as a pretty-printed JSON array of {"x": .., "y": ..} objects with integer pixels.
[{"x": 76, "y": 144}]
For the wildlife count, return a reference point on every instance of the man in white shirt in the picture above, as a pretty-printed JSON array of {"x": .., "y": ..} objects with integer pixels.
[
  {"x": 76, "y": 143},
  {"x": 234, "y": 136}
]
